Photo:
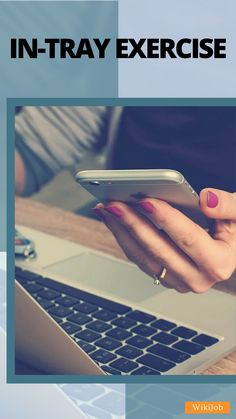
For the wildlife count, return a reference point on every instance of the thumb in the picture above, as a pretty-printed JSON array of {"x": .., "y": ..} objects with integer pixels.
[{"x": 218, "y": 204}]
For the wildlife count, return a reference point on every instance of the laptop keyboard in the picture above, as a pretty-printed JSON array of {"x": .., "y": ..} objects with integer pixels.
[
  {"x": 98, "y": 401},
  {"x": 120, "y": 339}
]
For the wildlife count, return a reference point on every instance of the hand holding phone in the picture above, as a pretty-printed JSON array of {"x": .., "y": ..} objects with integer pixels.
[
  {"x": 181, "y": 255},
  {"x": 131, "y": 186},
  {"x": 193, "y": 259}
]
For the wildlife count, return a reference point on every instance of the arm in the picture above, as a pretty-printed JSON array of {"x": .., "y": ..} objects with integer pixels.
[
  {"x": 50, "y": 139},
  {"x": 19, "y": 174}
]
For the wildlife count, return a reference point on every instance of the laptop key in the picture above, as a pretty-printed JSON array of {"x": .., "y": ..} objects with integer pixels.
[
  {"x": 141, "y": 317},
  {"x": 168, "y": 353},
  {"x": 85, "y": 296},
  {"x": 155, "y": 362},
  {"x": 163, "y": 325},
  {"x": 57, "y": 319},
  {"x": 85, "y": 308},
  {"x": 87, "y": 347},
  {"x": 129, "y": 352},
  {"x": 49, "y": 294},
  {"x": 165, "y": 338},
  {"x": 124, "y": 365},
  {"x": 113, "y": 402},
  {"x": 67, "y": 301},
  {"x": 110, "y": 370},
  {"x": 139, "y": 342},
  {"x": 124, "y": 323},
  {"x": 145, "y": 371},
  {"x": 118, "y": 333},
  {"x": 184, "y": 332},
  {"x": 88, "y": 335},
  {"x": 59, "y": 311},
  {"x": 44, "y": 303},
  {"x": 102, "y": 356},
  {"x": 70, "y": 328},
  {"x": 143, "y": 330},
  {"x": 82, "y": 392},
  {"x": 108, "y": 343},
  {"x": 98, "y": 326},
  {"x": 205, "y": 340},
  {"x": 33, "y": 288},
  {"x": 117, "y": 388},
  {"x": 104, "y": 315},
  {"x": 94, "y": 412},
  {"x": 30, "y": 276},
  {"x": 22, "y": 281},
  {"x": 79, "y": 318},
  {"x": 189, "y": 347},
  {"x": 107, "y": 304}
]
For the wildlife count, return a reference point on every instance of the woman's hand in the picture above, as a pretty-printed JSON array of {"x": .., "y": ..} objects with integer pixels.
[{"x": 194, "y": 260}]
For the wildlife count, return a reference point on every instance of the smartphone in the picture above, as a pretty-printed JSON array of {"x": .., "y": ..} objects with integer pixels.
[{"x": 131, "y": 186}]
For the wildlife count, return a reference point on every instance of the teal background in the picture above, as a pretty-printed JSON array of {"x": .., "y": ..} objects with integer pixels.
[{"x": 167, "y": 401}]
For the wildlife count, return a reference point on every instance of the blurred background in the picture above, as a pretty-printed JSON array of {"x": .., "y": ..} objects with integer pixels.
[
  {"x": 66, "y": 140},
  {"x": 64, "y": 192}
]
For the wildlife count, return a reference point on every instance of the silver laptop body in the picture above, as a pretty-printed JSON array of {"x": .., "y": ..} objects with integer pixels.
[{"x": 41, "y": 342}]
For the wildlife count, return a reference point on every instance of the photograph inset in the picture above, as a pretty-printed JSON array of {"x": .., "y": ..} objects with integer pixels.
[{"x": 125, "y": 240}]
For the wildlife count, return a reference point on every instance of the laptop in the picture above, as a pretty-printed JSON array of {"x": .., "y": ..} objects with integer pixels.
[
  {"x": 73, "y": 401},
  {"x": 79, "y": 311},
  {"x": 24, "y": 401}
]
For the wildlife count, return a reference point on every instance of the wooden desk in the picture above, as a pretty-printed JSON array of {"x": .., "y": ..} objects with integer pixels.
[{"x": 78, "y": 229}]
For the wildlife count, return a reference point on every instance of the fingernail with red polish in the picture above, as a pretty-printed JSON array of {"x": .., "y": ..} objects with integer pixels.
[
  {"x": 114, "y": 211},
  {"x": 99, "y": 213},
  {"x": 212, "y": 199},
  {"x": 147, "y": 206}
]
